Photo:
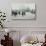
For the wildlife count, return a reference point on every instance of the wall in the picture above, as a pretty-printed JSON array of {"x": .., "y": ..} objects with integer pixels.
[
  {"x": 5, "y": 5},
  {"x": 31, "y": 25}
]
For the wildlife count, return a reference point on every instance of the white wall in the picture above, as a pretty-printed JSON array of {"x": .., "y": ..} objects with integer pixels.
[
  {"x": 36, "y": 25},
  {"x": 41, "y": 13}
]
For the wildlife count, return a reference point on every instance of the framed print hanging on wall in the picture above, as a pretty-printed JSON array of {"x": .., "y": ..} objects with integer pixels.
[{"x": 23, "y": 11}]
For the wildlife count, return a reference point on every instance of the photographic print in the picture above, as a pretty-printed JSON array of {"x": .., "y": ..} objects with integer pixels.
[{"x": 23, "y": 11}]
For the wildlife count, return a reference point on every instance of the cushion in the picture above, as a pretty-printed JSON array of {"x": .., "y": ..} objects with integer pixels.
[{"x": 26, "y": 39}]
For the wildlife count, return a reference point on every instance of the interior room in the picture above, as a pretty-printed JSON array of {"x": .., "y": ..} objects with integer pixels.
[{"x": 22, "y": 23}]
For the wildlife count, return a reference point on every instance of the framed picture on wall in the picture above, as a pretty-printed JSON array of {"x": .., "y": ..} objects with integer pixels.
[{"x": 23, "y": 11}]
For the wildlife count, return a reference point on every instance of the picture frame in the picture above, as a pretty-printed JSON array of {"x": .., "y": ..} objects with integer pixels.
[{"x": 23, "y": 11}]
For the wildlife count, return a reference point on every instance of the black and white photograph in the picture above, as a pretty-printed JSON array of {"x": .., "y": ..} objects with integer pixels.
[{"x": 23, "y": 11}]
